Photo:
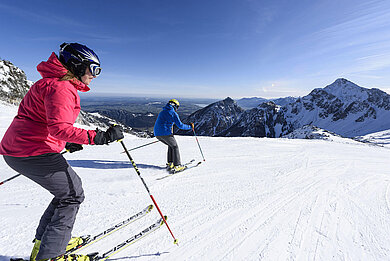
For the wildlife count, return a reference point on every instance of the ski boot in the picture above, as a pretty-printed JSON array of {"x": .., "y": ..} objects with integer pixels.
[
  {"x": 35, "y": 250},
  {"x": 178, "y": 168},
  {"x": 76, "y": 242},
  {"x": 169, "y": 166}
]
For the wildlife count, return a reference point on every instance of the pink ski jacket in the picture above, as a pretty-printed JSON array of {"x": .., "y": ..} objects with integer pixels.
[{"x": 46, "y": 115}]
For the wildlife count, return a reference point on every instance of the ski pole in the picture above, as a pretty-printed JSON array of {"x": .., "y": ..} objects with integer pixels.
[
  {"x": 193, "y": 129},
  {"x": 147, "y": 189},
  {"x": 142, "y": 146},
  {"x": 17, "y": 175},
  {"x": 11, "y": 178}
]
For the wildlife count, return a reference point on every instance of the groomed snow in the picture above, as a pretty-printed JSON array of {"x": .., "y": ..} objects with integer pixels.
[{"x": 253, "y": 199}]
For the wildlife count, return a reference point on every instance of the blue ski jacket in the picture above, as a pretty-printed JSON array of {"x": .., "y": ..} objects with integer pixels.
[{"x": 165, "y": 120}]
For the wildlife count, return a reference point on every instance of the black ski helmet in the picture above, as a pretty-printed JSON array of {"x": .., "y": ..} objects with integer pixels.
[{"x": 77, "y": 58}]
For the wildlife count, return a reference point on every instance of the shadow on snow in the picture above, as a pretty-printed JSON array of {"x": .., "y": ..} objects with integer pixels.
[{"x": 7, "y": 258}]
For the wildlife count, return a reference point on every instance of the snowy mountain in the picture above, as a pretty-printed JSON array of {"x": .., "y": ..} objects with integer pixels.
[
  {"x": 215, "y": 117},
  {"x": 312, "y": 132},
  {"x": 284, "y": 101},
  {"x": 381, "y": 138},
  {"x": 13, "y": 83},
  {"x": 342, "y": 107},
  {"x": 250, "y": 103},
  {"x": 257, "y": 122},
  {"x": 252, "y": 199}
]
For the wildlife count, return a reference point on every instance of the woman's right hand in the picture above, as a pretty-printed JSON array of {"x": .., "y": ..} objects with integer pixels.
[{"x": 114, "y": 133}]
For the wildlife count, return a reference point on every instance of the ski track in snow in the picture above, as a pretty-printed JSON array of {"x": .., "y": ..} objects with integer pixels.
[{"x": 253, "y": 199}]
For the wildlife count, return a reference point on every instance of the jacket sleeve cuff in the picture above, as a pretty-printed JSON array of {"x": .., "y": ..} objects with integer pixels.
[{"x": 91, "y": 137}]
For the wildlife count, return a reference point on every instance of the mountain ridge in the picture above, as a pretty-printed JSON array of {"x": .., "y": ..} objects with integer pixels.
[
  {"x": 342, "y": 107},
  {"x": 13, "y": 83}
]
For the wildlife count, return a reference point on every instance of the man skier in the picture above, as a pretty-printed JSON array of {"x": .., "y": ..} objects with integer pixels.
[{"x": 163, "y": 130}]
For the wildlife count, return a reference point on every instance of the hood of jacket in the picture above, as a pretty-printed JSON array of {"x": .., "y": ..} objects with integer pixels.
[{"x": 53, "y": 68}]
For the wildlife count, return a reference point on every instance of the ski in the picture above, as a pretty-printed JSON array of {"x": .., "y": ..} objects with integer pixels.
[
  {"x": 88, "y": 240},
  {"x": 91, "y": 256},
  {"x": 195, "y": 165},
  {"x": 190, "y": 162},
  {"x": 135, "y": 238},
  {"x": 188, "y": 166}
]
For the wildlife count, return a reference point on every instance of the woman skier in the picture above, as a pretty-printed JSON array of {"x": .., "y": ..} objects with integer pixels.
[
  {"x": 35, "y": 138},
  {"x": 163, "y": 130}
]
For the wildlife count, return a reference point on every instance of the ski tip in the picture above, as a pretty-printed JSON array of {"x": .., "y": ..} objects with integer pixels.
[
  {"x": 94, "y": 256},
  {"x": 176, "y": 242},
  {"x": 150, "y": 207}
]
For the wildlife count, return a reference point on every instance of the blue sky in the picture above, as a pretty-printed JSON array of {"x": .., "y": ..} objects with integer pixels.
[{"x": 213, "y": 48}]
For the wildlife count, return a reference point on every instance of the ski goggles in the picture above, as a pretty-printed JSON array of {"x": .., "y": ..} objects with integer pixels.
[
  {"x": 95, "y": 69},
  {"x": 174, "y": 105}
]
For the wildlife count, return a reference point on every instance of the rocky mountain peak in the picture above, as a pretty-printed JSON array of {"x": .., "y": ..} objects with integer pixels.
[
  {"x": 346, "y": 90},
  {"x": 342, "y": 81},
  {"x": 216, "y": 117},
  {"x": 228, "y": 100},
  {"x": 268, "y": 105},
  {"x": 13, "y": 83}
]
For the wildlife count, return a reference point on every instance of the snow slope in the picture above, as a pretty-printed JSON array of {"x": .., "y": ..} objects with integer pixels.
[
  {"x": 253, "y": 199},
  {"x": 382, "y": 138}
]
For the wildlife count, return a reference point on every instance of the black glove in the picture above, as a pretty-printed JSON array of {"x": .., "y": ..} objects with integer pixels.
[
  {"x": 72, "y": 147},
  {"x": 115, "y": 132}
]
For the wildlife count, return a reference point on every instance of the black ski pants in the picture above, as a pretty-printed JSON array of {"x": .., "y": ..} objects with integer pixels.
[
  {"x": 173, "y": 149},
  {"x": 52, "y": 172}
]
